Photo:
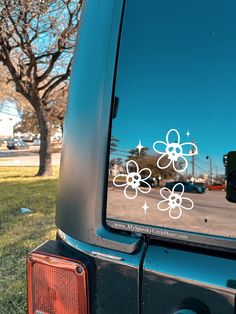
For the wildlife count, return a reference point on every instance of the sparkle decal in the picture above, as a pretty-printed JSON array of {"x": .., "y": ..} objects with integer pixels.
[
  {"x": 174, "y": 153},
  {"x": 145, "y": 207},
  {"x": 174, "y": 202},
  {"x": 134, "y": 180},
  {"x": 139, "y": 147}
]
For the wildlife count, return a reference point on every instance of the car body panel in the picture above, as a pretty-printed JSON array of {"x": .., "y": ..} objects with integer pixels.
[
  {"x": 176, "y": 279},
  {"x": 188, "y": 187},
  {"x": 216, "y": 187},
  {"x": 80, "y": 213},
  {"x": 130, "y": 269}
]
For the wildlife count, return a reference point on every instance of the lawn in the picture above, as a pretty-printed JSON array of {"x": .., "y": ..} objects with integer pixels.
[{"x": 22, "y": 232}]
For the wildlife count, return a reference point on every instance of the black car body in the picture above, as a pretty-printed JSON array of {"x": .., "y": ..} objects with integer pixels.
[
  {"x": 104, "y": 265},
  {"x": 188, "y": 186}
]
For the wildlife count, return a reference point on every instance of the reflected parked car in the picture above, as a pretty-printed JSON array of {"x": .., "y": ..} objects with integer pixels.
[
  {"x": 216, "y": 187},
  {"x": 16, "y": 143},
  {"x": 188, "y": 187},
  {"x": 151, "y": 181}
]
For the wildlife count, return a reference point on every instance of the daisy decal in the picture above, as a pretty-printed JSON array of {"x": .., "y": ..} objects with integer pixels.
[
  {"x": 173, "y": 152},
  {"x": 174, "y": 202},
  {"x": 134, "y": 180}
]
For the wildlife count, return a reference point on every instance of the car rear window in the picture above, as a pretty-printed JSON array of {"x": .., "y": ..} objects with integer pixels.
[{"x": 175, "y": 121}]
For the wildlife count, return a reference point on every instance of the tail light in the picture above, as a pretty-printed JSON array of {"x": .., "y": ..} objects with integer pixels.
[{"x": 56, "y": 285}]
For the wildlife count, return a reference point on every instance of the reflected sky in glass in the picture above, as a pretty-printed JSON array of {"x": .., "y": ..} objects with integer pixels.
[{"x": 177, "y": 69}]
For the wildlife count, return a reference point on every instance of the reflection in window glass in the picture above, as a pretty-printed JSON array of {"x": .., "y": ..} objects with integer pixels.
[{"x": 176, "y": 116}]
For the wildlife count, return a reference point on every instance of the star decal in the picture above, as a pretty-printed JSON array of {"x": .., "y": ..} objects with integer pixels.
[
  {"x": 145, "y": 207},
  {"x": 139, "y": 146}
]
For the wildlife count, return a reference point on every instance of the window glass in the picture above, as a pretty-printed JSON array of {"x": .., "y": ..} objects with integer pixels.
[{"x": 176, "y": 88}]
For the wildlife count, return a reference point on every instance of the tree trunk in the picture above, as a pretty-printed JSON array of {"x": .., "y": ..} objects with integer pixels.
[{"x": 45, "y": 152}]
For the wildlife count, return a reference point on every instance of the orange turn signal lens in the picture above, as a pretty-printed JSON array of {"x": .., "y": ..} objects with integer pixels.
[{"x": 56, "y": 285}]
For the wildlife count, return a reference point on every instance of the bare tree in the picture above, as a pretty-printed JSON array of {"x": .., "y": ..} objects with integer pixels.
[
  {"x": 147, "y": 160},
  {"x": 29, "y": 121},
  {"x": 36, "y": 45}
]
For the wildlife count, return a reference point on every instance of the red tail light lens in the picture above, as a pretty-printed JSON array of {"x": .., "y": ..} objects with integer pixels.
[{"x": 56, "y": 285}]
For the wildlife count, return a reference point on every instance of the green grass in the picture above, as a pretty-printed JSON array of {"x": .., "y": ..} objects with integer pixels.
[{"x": 20, "y": 233}]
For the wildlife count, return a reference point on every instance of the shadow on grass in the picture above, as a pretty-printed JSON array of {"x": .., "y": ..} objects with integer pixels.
[
  {"x": 19, "y": 173},
  {"x": 19, "y": 177}
]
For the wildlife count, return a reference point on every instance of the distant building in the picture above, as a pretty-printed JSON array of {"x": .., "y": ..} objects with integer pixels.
[
  {"x": 201, "y": 180},
  {"x": 6, "y": 126},
  {"x": 115, "y": 170},
  {"x": 8, "y": 118}
]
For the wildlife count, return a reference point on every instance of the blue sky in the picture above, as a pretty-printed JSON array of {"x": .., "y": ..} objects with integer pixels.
[
  {"x": 8, "y": 109},
  {"x": 177, "y": 70}
]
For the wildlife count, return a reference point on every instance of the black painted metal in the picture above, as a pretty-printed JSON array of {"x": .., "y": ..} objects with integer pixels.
[
  {"x": 81, "y": 207},
  {"x": 171, "y": 280},
  {"x": 176, "y": 280},
  {"x": 231, "y": 177}
]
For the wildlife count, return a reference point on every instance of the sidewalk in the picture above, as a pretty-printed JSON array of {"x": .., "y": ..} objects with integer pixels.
[{"x": 32, "y": 160}]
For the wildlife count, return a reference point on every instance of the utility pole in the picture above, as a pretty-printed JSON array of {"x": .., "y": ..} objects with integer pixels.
[
  {"x": 211, "y": 175},
  {"x": 193, "y": 158},
  {"x": 188, "y": 134},
  {"x": 193, "y": 166},
  {"x": 193, "y": 161}
]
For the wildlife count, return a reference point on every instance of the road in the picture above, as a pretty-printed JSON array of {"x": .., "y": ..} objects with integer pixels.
[
  {"x": 27, "y": 157},
  {"x": 211, "y": 214}
]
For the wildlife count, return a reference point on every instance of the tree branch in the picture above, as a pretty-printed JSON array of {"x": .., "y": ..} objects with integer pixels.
[
  {"x": 61, "y": 79},
  {"x": 54, "y": 57}
]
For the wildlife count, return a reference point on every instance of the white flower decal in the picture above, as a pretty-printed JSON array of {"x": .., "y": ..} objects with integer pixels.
[
  {"x": 133, "y": 180},
  {"x": 173, "y": 202},
  {"x": 174, "y": 152}
]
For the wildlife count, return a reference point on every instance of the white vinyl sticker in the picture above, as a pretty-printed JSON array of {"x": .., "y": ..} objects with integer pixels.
[
  {"x": 133, "y": 181},
  {"x": 174, "y": 202},
  {"x": 136, "y": 180},
  {"x": 175, "y": 153}
]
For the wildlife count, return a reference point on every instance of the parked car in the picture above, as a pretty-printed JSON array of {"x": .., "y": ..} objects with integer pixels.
[
  {"x": 188, "y": 187},
  {"x": 28, "y": 138},
  {"x": 17, "y": 144},
  {"x": 216, "y": 187},
  {"x": 151, "y": 181},
  {"x": 36, "y": 142}
]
